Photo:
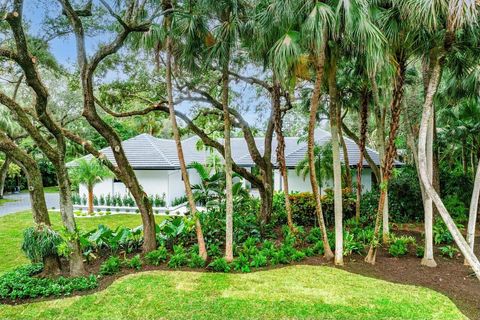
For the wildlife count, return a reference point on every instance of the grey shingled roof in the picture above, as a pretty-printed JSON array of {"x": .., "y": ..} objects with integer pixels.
[{"x": 147, "y": 152}]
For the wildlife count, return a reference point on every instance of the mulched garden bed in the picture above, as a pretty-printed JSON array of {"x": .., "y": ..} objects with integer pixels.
[{"x": 451, "y": 277}]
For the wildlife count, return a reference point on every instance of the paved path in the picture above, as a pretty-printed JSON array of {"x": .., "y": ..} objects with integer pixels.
[{"x": 22, "y": 202}]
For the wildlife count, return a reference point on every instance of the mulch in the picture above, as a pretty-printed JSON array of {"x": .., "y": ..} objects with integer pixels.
[{"x": 451, "y": 277}]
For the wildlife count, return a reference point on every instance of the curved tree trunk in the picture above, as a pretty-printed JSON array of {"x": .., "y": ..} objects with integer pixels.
[
  {"x": 389, "y": 157},
  {"x": 202, "y": 251},
  {"x": 3, "y": 174},
  {"x": 337, "y": 167},
  {"x": 315, "y": 101},
  {"x": 429, "y": 189},
  {"x": 363, "y": 140},
  {"x": 37, "y": 195}
]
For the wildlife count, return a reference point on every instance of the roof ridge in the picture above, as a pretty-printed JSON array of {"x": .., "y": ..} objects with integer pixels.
[{"x": 149, "y": 138}]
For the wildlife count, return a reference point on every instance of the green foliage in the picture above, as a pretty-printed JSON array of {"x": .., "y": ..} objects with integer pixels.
[
  {"x": 399, "y": 245},
  {"x": 241, "y": 263},
  {"x": 259, "y": 260},
  {"x": 22, "y": 283},
  {"x": 298, "y": 255},
  {"x": 405, "y": 197},
  {"x": 448, "y": 251},
  {"x": 39, "y": 242},
  {"x": 111, "y": 266},
  {"x": 157, "y": 257},
  {"x": 103, "y": 237},
  {"x": 196, "y": 261},
  {"x": 179, "y": 200},
  {"x": 220, "y": 265},
  {"x": 456, "y": 208},
  {"x": 178, "y": 258},
  {"x": 134, "y": 263},
  {"x": 89, "y": 172},
  {"x": 441, "y": 233},
  {"x": 419, "y": 251},
  {"x": 351, "y": 244}
]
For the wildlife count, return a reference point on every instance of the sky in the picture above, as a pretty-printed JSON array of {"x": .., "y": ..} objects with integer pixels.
[{"x": 64, "y": 50}]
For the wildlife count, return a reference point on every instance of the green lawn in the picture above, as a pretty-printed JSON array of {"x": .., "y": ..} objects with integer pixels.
[
  {"x": 12, "y": 226},
  {"x": 289, "y": 293},
  {"x": 2, "y": 201}
]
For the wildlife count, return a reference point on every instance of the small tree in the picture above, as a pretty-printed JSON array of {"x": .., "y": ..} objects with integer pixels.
[{"x": 89, "y": 172}]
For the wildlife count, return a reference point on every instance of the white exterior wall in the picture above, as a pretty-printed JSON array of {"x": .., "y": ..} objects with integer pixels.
[
  {"x": 297, "y": 184},
  {"x": 168, "y": 182}
]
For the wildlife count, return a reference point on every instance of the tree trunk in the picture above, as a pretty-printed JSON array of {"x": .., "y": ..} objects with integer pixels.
[
  {"x": 282, "y": 167},
  {"x": 90, "y": 199},
  {"x": 202, "y": 250},
  {"x": 3, "y": 174},
  {"x": 337, "y": 167},
  {"x": 473, "y": 212},
  {"x": 363, "y": 140},
  {"x": 315, "y": 100},
  {"x": 422, "y": 144},
  {"x": 389, "y": 157},
  {"x": 228, "y": 166},
  {"x": 428, "y": 259},
  {"x": 37, "y": 195},
  {"x": 66, "y": 210}
]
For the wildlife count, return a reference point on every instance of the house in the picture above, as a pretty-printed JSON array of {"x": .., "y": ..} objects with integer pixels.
[{"x": 156, "y": 165}]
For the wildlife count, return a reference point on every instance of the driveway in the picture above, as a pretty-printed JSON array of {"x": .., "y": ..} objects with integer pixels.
[{"x": 21, "y": 202}]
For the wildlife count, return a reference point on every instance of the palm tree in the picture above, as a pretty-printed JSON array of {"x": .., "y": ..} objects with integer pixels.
[
  {"x": 323, "y": 165},
  {"x": 90, "y": 173},
  {"x": 230, "y": 15},
  {"x": 460, "y": 15}
]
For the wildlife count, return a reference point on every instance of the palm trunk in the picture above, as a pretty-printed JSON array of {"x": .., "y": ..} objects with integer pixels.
[
  {"x": 282, "y": 167},
  {"x": 472, "y": 217},
  {"x": 315, "y": 100},
  {"x": 428, "y": 259},
  {"x": 337, "y": 168},
  {"x": 202, "y": 251},
  {"x": 389, "y": 158},
  {"x": 3, "y": 174},
  {"x": 90, "y": 199},
  {"x": 363, "y": 140},
  {"x": 471, "y": 259},
  {"x": 228, "y": 167}
]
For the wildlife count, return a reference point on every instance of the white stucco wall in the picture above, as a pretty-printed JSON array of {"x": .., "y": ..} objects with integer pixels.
[
  {"x": 170, "y": 183},
  {"x": 297, "y": 184}
]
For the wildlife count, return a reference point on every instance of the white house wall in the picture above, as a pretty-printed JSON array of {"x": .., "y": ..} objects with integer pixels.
[{"x": 169, "y": 182}]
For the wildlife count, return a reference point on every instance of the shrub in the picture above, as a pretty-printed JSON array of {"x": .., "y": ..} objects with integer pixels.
[
  {"x": 456, "y": 208},
  {"x": 308, "y": 252},
  {"x": 259, "y": 260},
  {"x": 40, "y": 242},
  {"x": 441, "y": 233},
  {"x": 196, "y": 261},
  {"x": 279, "y": 257},
  {"x": 448, "y": 251},
  {"x": 180, "y": 200},
  {"x": 350, "y": 244},
  {"x": 314, "y": 235},
  {"x": 318, "y": 248},
  {"x": 134, "y": 263},
  {"x": 178, "y": 258},
  {"x": 419, "y": 251},
  {"x": 298, "y": 256},
  {"x": 241, "y": 264},
  {"x": 110, "y": 266},
  {"x": 214, "y": 251},
  {"x": 157, "y": 257},
  {"x": 399, "y": 246},
  {"x": 220, "y": 265},
  {"x": 21, "y": 283}
]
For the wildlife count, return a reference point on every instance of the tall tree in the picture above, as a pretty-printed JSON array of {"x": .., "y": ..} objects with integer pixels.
[{"x": 130, "y": 21}]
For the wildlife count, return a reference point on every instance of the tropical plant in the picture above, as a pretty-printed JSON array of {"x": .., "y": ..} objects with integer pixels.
[{"x": 90, "y": 173}]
